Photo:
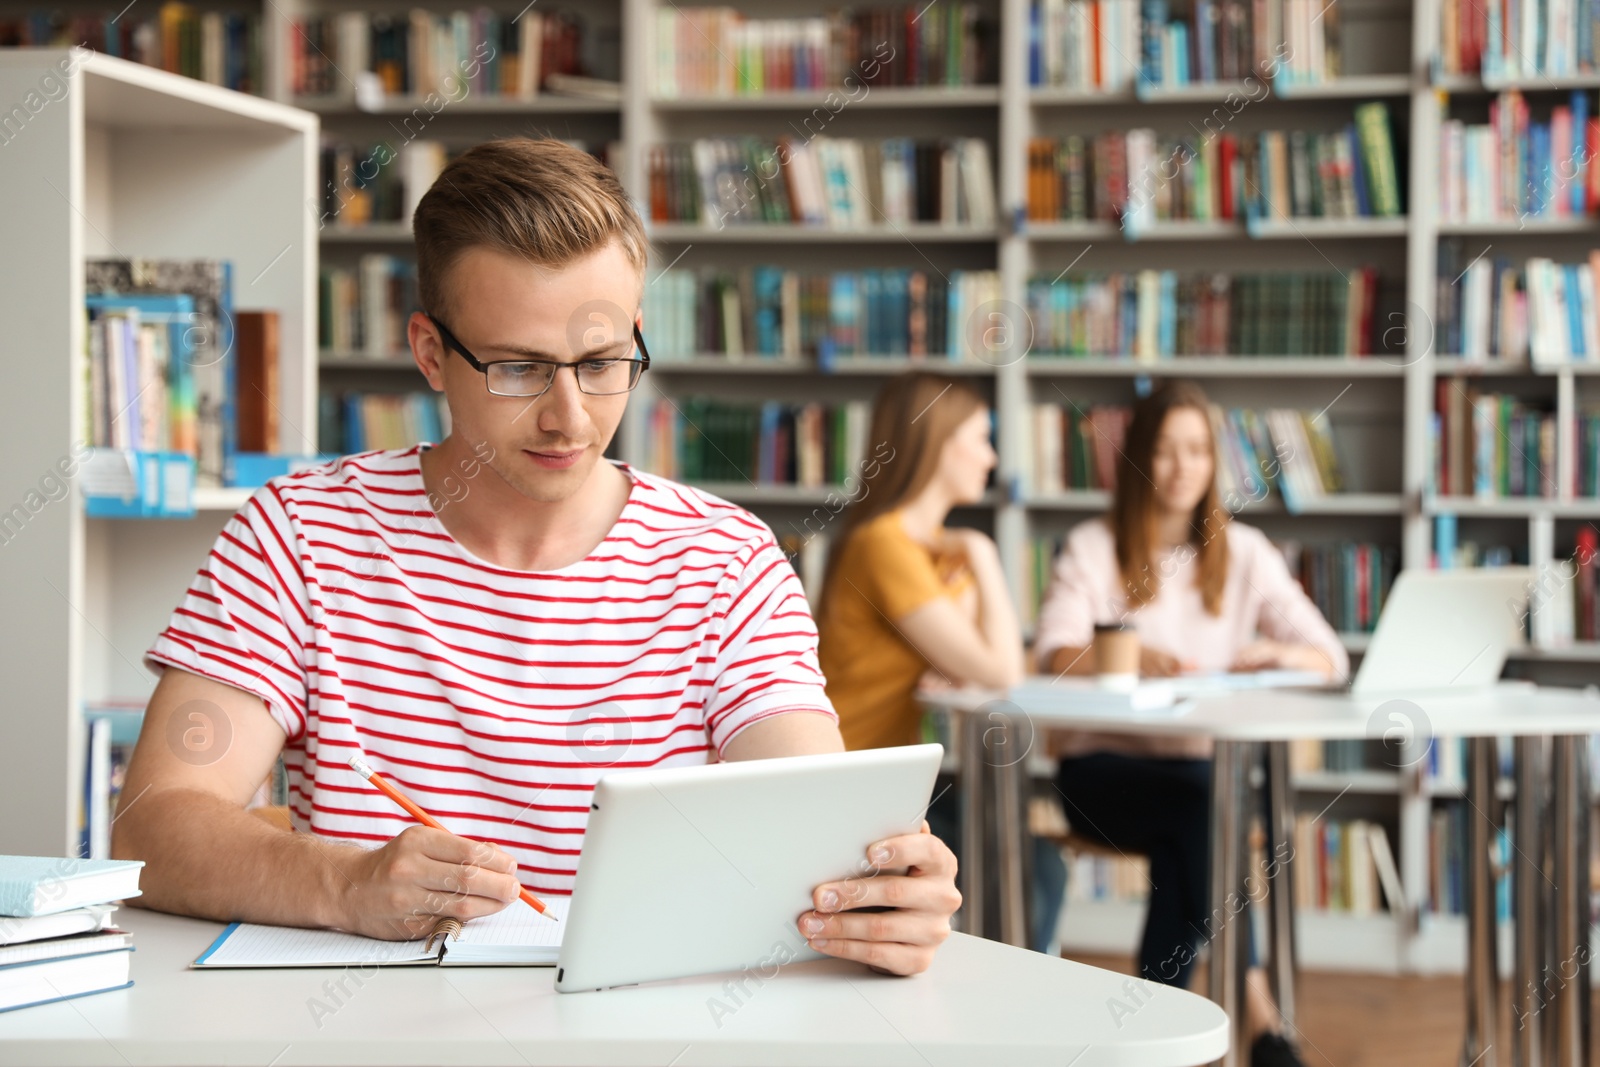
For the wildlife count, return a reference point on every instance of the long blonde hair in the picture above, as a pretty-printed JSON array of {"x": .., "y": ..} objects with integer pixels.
[{"x": 1133, "y": 504}]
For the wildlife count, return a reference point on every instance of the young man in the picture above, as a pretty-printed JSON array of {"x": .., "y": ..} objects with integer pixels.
[{"x": 493, "y": 621}]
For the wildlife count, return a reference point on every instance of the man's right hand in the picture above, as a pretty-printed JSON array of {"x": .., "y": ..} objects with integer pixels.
[
  {"x": 1158, "y": 664},
  {"x": 398, "y": 891}
]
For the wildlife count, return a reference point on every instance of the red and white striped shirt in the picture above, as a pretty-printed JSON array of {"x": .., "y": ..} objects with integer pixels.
[{"x": 495, "y": 698}]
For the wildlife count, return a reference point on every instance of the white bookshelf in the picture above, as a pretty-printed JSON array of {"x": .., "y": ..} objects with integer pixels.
[
  {"x": 1380, "y": 406},
  {"x": 130, "y": 161}
]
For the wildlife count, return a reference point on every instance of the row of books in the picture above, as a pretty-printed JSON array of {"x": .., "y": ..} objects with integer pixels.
[
  {"x": 839, "y": 183},
  {"x": 1155, "y": 315},
  {"x": 1279, "y": 452},
  {"x": 720, "y": 51},
  {"x": 1513, "y": 167},
  {"x": 1347, "y": 581},
  {"x": 370, "y": 182},
  {"x": 1518, "y": 39},
  {"x": 1450, "y": 550},
  {"x": 1496, "y": 308},
  {"x": 223, "y": 48},
  {"x": 1143, "y": 176},
  {"x": 458, "y": 53},
  {"x": 351, "y": 421},
  {"x": 171, "y": 367},
  {"x": 1489, "y": 445},
  {"x": 1344, "y": 756},
  {"x": 1075, "y": 448},
  {"x": 58, "y": 938},
  {"x": 1093, "y": 876},
  {"x": 1447, "y": 851},
  {"x": 364, "y": 310},
  {"x": 771, "y": 312},
  {"x": 1587, "y": 455},
  {"x": 699, "y": 439},
  {"x": 1337, "y": 864}
]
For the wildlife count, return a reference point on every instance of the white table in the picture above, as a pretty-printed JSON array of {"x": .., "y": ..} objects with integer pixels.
[
  {"x": 981, "y": 1003},
  {"x": 993, "y": 734}
]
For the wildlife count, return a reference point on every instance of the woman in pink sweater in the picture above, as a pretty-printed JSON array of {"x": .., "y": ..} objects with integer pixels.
[{"x": 1204, "y": 593}]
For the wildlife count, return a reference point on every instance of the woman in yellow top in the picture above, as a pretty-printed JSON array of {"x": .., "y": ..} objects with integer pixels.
[
  {"x": 903, "y": 595},
  {"x": 907, "y": 602}
]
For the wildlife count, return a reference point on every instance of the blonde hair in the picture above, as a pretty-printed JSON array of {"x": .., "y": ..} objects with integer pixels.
[{"x": 540, "y": 199}]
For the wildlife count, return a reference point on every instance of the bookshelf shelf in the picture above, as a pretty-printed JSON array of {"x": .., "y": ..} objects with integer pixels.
[
  {"x": 1217, "y": 367},
  {"x": 543, "y": 104},
  {"x": 1511, "y": 507},
  {"x": 1498, "y": 367},
  {"x": 886, "y": 97},
  {"x": 1322, "y": 229},
  {"x": 1100, "y": 229},
  {"x": 369, "y": 233},
  {"x": 1533, "y": 83},
  {"x": 1351, "y": 87},
  {"x": 1530, "y": 227},
  {"x": 1188, "y": 230},
  {"x": 750, "y": 493},
  {"x": 1056, "y": 96},
  {"x": 1378, "y": 782},
  {"x": 1577, "y": 652},
  {"x": 1196, "y": 92},
  {"x": 228, "y": 499},
  {"x": 1334, "y": 504},
  {"x": 774, "y": 233},
  {"x": 864, "y": 366},
  {"x": 1355, "y": 642}
]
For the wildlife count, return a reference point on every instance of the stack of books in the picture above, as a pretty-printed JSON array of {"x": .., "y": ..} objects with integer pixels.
[
  {"x": 1154, "y": 315},
  {"x": 1514, "y": 168},
  {"x": 456, "y": 54},
  {"x": 56, "y": 936},
  {"x": 1347, "y": 581},
  {"x": 1280, "y": 452},
  {"x": 1338, "y": 864},
  {"x": 720, "y": 51},
  {"x": 349, "y": 422},
  {"x": 1141, "y": 176},
  {"x": 362, "y": 312},
  {"x": 1076, "y": 448},
  {"x": 223, "y": 48},
  {"x": 700, "y": 439},
  {"x": 839, "y": 183},
  {"x": 1508, "y": 39},
  {"x": 771, "y": 312},
  {"x": 1490, "y": 445},
  {"x": 1535, "y": 310}
]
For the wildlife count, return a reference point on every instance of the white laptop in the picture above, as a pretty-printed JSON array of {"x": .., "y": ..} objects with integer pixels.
[
  {"x": 1445, "y": 630},
  {"x": 695, "y": 870}
]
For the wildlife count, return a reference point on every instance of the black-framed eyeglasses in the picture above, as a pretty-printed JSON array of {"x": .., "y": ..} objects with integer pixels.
[{"x": 605, "y": 376}]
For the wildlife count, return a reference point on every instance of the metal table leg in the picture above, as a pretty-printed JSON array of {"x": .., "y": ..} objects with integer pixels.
[
  {"x": 968, "y": 728},
  {"x": 1009, "y": 775},
  {"x": 1528, "y": 884},
  {"x": 1227, "y": 973},
  {"x": 1567, "y": 975},
  {"x": 1280, "y": 860},
  {"x": 1483, "y": 974}
]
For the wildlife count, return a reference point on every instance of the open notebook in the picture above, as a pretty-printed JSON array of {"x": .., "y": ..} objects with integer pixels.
[{"x": 517, "y": 936}]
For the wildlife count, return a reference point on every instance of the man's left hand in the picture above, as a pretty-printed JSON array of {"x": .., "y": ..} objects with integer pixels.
[{"x": 902, "y": 939}]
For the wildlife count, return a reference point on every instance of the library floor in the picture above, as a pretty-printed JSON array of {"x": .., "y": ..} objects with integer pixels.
[{"x": 1363, "y": 1020}]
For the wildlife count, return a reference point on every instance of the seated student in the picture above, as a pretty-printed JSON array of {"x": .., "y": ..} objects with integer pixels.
[
  {"x": 492, "y": 621},
  {"x": 910, "y": 603},
  {"x": 1203, "y": 593}
]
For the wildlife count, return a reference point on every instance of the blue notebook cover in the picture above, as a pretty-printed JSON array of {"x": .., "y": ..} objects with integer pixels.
[{"x": 21, "y": 876}]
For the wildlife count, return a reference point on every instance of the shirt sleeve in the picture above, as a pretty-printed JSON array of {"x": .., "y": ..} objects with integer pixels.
[
  {"x": 1286, "y": 613},
  {"x": 767, "y": 654},
  {"x": 1067, "y": 613},
  {"x": 245, "y": 620}
]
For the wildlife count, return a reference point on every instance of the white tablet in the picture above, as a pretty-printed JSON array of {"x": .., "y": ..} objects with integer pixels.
[{"x": 694, "y": 870}]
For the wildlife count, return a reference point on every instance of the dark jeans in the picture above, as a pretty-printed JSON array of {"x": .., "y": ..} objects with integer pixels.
[
  {"x": 1159, "y": 808},
  {"x": 1049, "y": 869}
]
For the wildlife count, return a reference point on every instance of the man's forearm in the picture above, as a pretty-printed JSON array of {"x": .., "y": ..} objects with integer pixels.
[{"x": 212, "y": 859}]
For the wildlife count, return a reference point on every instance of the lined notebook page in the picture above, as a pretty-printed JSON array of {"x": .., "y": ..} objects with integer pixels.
[{"x": 516, "y": 935}]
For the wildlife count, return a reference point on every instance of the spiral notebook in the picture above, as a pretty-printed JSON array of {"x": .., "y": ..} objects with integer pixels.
[{"x": 517, "y": 936}]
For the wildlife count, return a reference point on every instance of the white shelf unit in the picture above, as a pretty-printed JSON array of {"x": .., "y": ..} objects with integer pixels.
[
  {"x": 1380, "y": 405},
  {"x": 129, "y": 161}
]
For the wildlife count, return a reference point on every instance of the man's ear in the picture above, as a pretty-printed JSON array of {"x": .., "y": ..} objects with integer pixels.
[{"x": 427, "y": 348}]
